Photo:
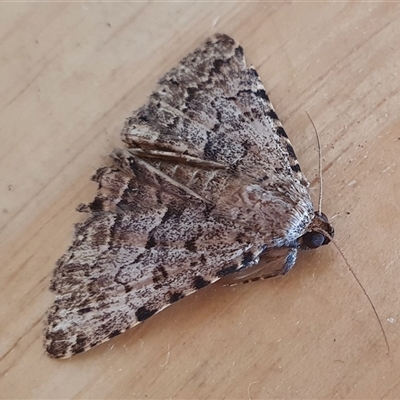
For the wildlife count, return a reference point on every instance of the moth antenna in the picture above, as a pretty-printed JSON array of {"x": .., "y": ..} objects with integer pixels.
[
  {"x": 319, "y": 164},
  {"x": 334, "y": 241},
  {"x": 359, "y": 284}
]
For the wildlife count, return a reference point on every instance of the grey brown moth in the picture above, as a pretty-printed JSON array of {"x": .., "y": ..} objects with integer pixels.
[{"x": 207, "y": 184}]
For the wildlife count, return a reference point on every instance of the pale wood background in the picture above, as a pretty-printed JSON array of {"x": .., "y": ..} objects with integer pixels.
[{"x": 71, "y": 72}]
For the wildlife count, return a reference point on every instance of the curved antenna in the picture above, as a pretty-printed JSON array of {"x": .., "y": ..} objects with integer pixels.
[
  {"x": 319, "y": 165},
  {"x": 359, "y": 284}
]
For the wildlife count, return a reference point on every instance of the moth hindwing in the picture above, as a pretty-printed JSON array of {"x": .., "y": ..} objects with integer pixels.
[{"x": 207, "y": 183}]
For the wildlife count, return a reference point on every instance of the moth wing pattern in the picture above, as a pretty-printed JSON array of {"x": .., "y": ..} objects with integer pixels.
[
  {"x": 214, "y": 107},
  {"x": 130, "y": 261},
  {"x": 208, "y": 182}
]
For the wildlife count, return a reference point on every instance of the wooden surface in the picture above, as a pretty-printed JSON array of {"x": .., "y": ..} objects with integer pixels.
[{"x": 71, "y": 73}]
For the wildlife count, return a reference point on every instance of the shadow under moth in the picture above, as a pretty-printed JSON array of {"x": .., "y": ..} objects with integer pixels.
[{"x": 207, "y": 183}]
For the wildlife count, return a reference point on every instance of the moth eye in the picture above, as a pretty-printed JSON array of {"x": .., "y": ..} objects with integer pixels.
[{"x": 313, "y": 239}]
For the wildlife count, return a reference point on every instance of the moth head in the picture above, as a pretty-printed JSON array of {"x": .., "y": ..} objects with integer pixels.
[{"x": 319, "y": 233}]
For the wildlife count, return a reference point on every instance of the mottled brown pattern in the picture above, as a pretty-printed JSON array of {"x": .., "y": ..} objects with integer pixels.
[{"x": 208, "y": 183}]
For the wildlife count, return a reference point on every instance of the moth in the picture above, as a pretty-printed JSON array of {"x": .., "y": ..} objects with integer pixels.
[{"x": 207, "y": 183}]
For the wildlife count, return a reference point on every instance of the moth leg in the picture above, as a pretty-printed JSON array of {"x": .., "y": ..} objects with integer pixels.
[
  {"x": 290, "y": 260},
  {"x": 274, "y": 262}
]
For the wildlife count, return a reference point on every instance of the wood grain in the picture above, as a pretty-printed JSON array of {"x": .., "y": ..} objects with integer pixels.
[{"x": 71, "y": 73}]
